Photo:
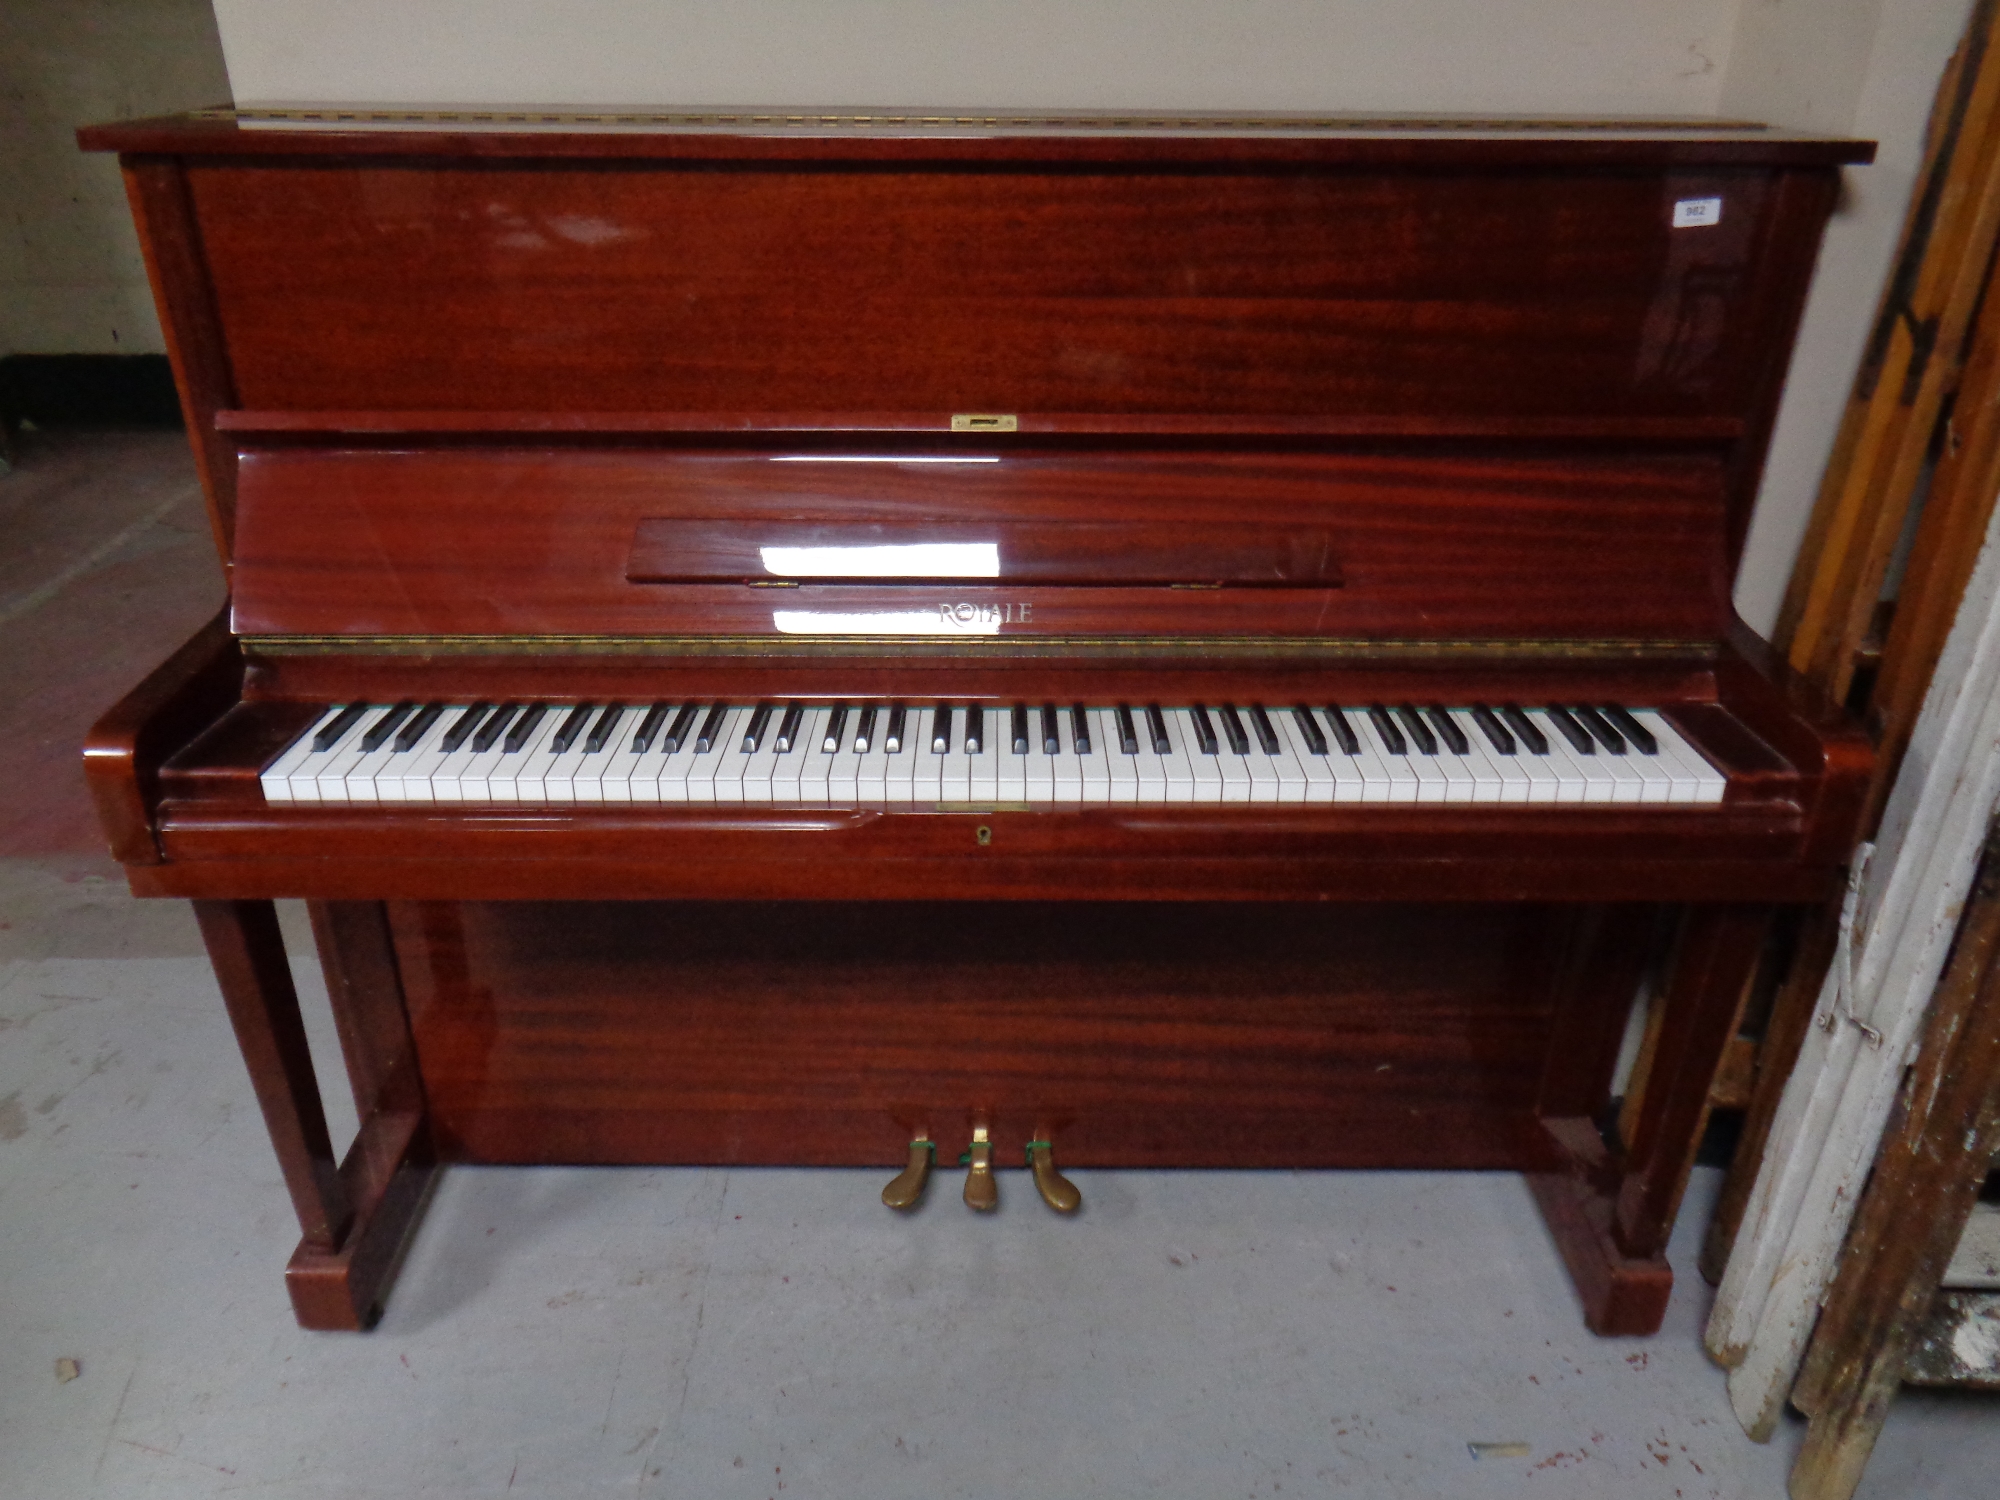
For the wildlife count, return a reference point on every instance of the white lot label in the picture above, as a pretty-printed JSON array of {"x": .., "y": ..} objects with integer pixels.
[{"x": 1697, "y": 213}]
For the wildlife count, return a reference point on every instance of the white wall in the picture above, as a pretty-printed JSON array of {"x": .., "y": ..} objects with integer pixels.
[
  {"x": 1573, "y": 56},
  {"x": 1866, "y": 66},
  {"x": 71, "y": 280},
  {"x": 1869, "y": 67}
]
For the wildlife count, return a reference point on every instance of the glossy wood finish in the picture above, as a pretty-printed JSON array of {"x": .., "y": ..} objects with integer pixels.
[
  {"x": 506, "y": 416},
  {"x": 125, "y": 748},
  {"x": 832, "y": 1033},
  {"x": 513, "y": 542}
]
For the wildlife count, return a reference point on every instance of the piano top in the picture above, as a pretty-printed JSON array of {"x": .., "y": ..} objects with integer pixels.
[{"x": 746, "y": 134}]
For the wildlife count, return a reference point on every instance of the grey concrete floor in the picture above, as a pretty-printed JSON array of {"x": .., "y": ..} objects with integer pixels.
[{"x": 735, "y": 1333}]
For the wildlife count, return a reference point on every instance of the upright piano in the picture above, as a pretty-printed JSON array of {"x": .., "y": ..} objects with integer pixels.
[{"x": 884, "y": 640}]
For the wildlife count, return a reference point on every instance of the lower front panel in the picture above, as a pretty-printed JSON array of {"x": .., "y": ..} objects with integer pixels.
[{"x": 1131, "y": 1034}]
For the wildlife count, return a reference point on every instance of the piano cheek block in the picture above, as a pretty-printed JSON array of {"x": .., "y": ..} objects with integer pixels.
[{"x": 1238, "y": 899}]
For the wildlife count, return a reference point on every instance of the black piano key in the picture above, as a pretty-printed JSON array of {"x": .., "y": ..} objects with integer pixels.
[
  {"x": 1495, "y": 732},
  {"x": 649, "y": 727},
  {"x": 710, "y": 735},
  {"x": 1315, "y": 741},
  {"x": 328, "y": 737},
  {"x": 682, "y": 727},
  {"x": 1579, "y": 741},
  {"x": 1020, "y": 727},
  {"x": 1533, "y": 738},
  {"x": 1051, "y": 730},
  {"x": 1447, "y": 728},
  {"x": 602, "y": 730},
  {"x": 975, "y": 729},
  {"x": 1419, "y": 730},
  {"x": 418, "y": 727},
  {"x": 1204, "y": 732},
  {"x": 892, "y": 741},
  {"x": 1600, "y": 731},
  {"x": 463, "y": 727},
  {"x": 941, "y": 729},
  {"x": 836, "y": 730},
  {"x": 1079, "y": 728},
  {"x": 1392, "y": 737},
  {"x": 1343, "y": 732},
  {"x": 379, "y": 732},
  {"x": 1631, "y": 728},
  {"x": 1128, "y": 737},
  {"x": 572, "y": 727},
  {"x": 1156, "y": 729},
  {"x": 524, "y": 726},
  {"x": 760, "y": 720},
  {"x": 1267, "y": 734},
  {"x": 1232, "y": 729},
  {"x": 864, "y": 730},
  {"x": 788, "y": 728},
  {"x": 490, "y": 732}
]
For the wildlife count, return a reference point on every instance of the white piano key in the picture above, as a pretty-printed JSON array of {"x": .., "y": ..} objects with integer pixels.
[
  {"x": 730, "y": 761},
  {"x": 1582, "y": 778},
  {"x": 1398, "y": 781},
  {"x": 1011, "y": 772},
  {"x": 1291, "y": 776},
  {"x": 816, "y": 761},
  {"x": 1695, "y": 778},
  {"x": 408, "y": 775},
  {"x": 531, "y": 779},
  {"x": 1066, "y": 769},
  {"x": 1178, "y": 767},
  {"x": 901, "y": 778},
  {"x": 1094, "y": 769},
  {"x": 277, "y": 777},
  {"x": 956, "y": 777},
  {"x": 872, "y": 770},
  {"x": 1121, "y": 770},
  {"x": 1481, "y": 761},
  {"x": 329, "y": 772},
  {"x": 1360, "y": 777},
  {"x": 1204, "y": 770},
  {"x": 509, "y": 780},
  {"x": 1041, "y": 766},
  {"x": 983, "y": 769},
  {"x": 1316, "y": 770},
  {"x": 1150, "y": 765}
]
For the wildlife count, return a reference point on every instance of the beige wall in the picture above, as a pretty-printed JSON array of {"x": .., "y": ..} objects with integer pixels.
[
  {"x": 1575, "y": 56},
  {"x": 71, "y": 281}
]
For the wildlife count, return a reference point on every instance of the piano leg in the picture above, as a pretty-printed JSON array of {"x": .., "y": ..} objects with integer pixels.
[
  {"x": 356, "y": 1217},
  {"x": 1611, "y": 1210}
]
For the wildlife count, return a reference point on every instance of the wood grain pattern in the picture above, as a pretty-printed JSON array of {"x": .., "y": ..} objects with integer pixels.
[
  {"x": 503, "y": 541},
  {"x": 832, "y": 1033}
]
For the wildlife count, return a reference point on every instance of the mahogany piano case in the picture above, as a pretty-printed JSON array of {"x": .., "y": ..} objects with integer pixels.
[{"x": 1121, "y": 642}]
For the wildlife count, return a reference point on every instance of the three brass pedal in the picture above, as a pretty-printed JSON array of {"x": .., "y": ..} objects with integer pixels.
[{"x": 982, "y": 1189}]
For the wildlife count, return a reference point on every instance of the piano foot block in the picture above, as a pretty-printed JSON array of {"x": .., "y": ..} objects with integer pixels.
[
  {"x": 389, "y": 1173},
  {"x": 1623, "y": 1295}
]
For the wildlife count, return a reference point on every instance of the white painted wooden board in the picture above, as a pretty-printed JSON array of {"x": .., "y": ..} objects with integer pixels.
[
  {"x": 1869, "y": 1017},
  {"x": 1975, "y": 1265}
]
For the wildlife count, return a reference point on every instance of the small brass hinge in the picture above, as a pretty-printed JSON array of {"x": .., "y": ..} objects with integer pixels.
[{"x": 967, "y": 421}]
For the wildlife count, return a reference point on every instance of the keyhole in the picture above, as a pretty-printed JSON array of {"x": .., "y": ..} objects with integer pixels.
[{"x": 985, "y": 836}]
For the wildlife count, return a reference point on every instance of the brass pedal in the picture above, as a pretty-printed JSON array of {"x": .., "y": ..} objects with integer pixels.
[
  {"x": 906, "y": 1189},
  {"x": 1057, "y": 1190},
  {"x": 982, "y": 1192}
]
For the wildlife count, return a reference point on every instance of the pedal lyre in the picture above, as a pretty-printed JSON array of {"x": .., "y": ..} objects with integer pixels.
[
  {"x": 1057, "y": 1190},
  {"x": 906, "y": 1189}
]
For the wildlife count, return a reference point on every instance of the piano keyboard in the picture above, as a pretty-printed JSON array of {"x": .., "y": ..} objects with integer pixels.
[{"x": 882, "y": 753}]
